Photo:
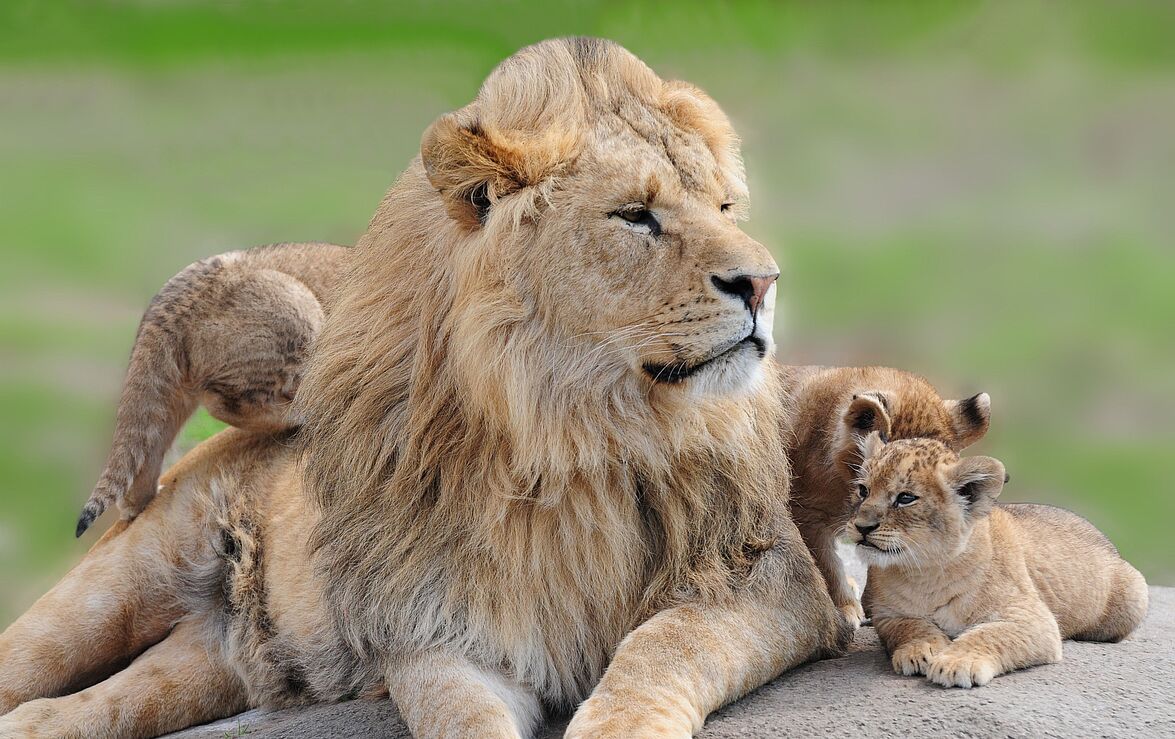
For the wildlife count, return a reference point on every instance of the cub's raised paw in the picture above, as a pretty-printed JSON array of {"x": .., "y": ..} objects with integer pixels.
[
  {"x": 914, "y": 658},
  {"x": 961, "y": 670}
]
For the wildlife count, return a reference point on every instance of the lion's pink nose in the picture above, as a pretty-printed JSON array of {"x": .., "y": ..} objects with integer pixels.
[{"x": 750, "y": 289}]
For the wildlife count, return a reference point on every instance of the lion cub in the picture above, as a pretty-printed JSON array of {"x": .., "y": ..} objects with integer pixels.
[
  {"x": 230, "y": 332},
  {"x": 835, "y": 408},
  {"x": 962, "y": 589}
]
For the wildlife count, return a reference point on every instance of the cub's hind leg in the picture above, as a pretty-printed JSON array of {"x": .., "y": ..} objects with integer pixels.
[
  {"x": 182, "y": 681},
  {"x": 232, "y": 332},
  {"x": 1125, "y": 608}
]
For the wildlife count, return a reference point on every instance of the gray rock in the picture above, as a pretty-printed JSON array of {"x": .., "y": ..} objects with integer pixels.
[{"x": 1113, "y": 690}]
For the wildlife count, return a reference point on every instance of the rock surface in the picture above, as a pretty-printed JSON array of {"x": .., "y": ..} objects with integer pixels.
[{"x": 1125, "y": 689}]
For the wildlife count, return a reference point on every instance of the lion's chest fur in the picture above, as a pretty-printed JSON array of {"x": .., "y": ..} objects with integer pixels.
[
  {"x": 544, "y": 588},
  {"x": 547, "y": 590},
  {"x": 541, "y": 584}
]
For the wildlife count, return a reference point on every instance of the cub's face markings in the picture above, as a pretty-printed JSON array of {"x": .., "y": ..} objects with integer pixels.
[{"x": 922, "y": 497}]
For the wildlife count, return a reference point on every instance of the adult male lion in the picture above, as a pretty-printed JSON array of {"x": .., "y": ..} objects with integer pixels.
[{"x": 543, "y": 456}]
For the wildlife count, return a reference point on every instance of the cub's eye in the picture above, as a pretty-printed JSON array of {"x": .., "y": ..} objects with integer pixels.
[
  {"x": 725, "y": 207},
  {"x": 904, "y": 499},
  {"x": 640, "y": 218},
  {"x": 863, "y": 492}
]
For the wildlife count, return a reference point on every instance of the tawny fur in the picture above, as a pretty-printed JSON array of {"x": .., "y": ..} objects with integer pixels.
[
  {"x": 962, "y": 589},
  {"x": 232, "y": 332},
  {"x": 542, "y": 457},
  {"x": 834, "y": 409}
]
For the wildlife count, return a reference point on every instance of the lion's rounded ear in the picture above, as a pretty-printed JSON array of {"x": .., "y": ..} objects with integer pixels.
[
  {"x": 978, "y": 481},
  {"x": 473, "y": 162},
  {"x": 970, "y": 418},
  {"x": 868, "y": 412},
  {"x": 465, "y": 164}
]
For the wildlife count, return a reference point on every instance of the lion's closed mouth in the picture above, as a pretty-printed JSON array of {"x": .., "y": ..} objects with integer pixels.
[{"x": 675, "y": 372}]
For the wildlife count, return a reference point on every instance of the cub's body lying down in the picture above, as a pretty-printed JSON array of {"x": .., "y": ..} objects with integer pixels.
[{"x": 961, "y": 589}]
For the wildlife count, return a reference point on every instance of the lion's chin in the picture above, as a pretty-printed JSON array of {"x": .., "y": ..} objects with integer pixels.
[{"x": 731, "y": 369}]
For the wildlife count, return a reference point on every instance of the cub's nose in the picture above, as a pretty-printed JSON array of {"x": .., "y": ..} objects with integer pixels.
[
  {"x": 748, "y": 288},
  {"x": 867, "y": 529}
]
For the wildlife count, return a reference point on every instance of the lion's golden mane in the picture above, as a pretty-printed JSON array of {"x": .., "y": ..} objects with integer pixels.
[{"x": 477, "y": 477}]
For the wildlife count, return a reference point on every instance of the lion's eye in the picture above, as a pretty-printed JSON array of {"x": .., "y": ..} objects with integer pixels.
[
  {"x": 904, "y": 499},
  {"x": 480, "y": 198},
  {"x": 725, "y": 207},
  {"x": 640, "y": 218},
  {"x": 863, "y": 492}
]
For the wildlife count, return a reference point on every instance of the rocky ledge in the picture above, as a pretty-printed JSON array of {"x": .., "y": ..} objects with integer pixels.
[{"x": 1103, "y": 690}]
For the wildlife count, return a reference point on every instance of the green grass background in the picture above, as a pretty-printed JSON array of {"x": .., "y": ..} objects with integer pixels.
[{"x": 982, "y": 192}]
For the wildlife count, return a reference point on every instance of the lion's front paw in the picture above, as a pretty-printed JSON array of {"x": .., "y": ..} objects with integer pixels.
[
  {"x": 962, "y": 669},
  {"x": 914, "y": 658},
  {"x": 29, "y": 720},
  {"x": 601, "y": 718}
]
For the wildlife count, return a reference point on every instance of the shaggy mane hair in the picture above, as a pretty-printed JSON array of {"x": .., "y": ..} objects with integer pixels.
[{"x": 484, "y": 482}]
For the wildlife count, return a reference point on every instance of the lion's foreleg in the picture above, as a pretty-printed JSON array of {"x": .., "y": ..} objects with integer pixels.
[
  {"x": 444, "y": 695},
  {"x": 179, "y": 682},
  {"x": 683, "y": 663}
]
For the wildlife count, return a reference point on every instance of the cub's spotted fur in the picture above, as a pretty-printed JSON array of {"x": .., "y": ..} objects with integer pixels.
[
  {"x": 962, "y": 589},
  {"x": 835, "y": 408},
  {"x": 231, "y": 332}
]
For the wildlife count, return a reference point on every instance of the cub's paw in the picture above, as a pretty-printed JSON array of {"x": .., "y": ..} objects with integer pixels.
[
  {"x": 961, "y": 670},
  {"x": 914, "y": 658},
  {"x": 854, "y": 614}
]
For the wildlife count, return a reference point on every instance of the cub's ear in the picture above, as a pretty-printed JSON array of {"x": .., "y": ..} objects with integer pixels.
[
  {"x": 472, "y": 162},
  {"x": 870, "y": 446},
  {"x": 868, "y": 412},
  {"x": 978, "y": 481},
  {"x": 970, "y": 418}
]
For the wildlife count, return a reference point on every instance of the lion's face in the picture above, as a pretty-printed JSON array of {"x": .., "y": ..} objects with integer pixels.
[
  {"x": 645, "y": 262},
  {"x": 917, "y": 501},
  {"x": 616, "y": 212}
]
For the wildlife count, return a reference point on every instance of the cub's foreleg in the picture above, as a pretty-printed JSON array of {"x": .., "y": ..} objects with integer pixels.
[
  {"x": 911, "y": 643},
  {"x": 821, "y": 542},
  {"x": 441, "y": 694},
  {"x": 180, "y": 682},
  {"x": 1027, "y": 636},
  {"x": 231, "y": 331}
]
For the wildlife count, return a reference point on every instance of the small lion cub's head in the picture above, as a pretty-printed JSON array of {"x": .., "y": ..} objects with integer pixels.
[{"x": 917, "y": 501}]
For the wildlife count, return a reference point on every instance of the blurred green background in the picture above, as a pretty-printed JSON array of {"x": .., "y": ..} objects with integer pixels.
[{"x": 982, "y": 192}]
